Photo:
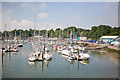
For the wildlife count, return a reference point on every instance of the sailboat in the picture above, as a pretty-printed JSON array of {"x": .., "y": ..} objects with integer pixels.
[
  {"x": 15, "y": 45},
  {"x": 8, "y": 47},
  {"x": 65, "y": 51},
  {"x": 32, "y": 57},
  {"x": 47, "y": 54},
  {"x": 82, "y": 56},
  {"x": 20, "y": 44}
]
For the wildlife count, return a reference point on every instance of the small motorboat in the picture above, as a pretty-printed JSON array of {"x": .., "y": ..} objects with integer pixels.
[
  {"x": 59, "y": 49},
  {"x": 39, "y": 56},
  {"x": 82, "y": 56},
  {"x": 15, "y": 49},
  {"x": 74, "y": 51},
  {"x": 70, "y": 47},
  {"x": 7, "y": 49},
  {"x": 32, "y": 57},
  {"x": 71, "y": 57},
  {"x": 47, "y": 55},
  {"x": 64, "y": 56},
  {"x": 65, "y": 52},
  {"x": 81, "y": 48},
  {"x": 20, "y": 45}
]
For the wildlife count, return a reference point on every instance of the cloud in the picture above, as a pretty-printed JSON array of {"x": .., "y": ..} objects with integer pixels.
[
  {"x": 48, "y": 26},
  {"x": 43, "y": 5},
  {"x": 27, "y": 5},
  {"x": 6, "y": 19},
  {"x": 27, "y": 24},
  {"x": 42, "y": 15},
  {"x": 23, "y": 24}
]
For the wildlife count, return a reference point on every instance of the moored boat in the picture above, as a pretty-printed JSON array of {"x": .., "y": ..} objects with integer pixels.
[
  {"x": 47, "y": 55},
  {"x": 71, "y": 57},
  {"x": 32, "y": 57},
  {"x": 65, "y": 52}
]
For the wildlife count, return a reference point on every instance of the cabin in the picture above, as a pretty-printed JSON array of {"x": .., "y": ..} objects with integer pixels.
[
  {"x": 82, "y": 38},
  {"x": 108, "y": 39}
]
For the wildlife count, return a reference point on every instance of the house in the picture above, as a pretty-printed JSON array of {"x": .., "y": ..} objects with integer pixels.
[{"x": 108, "y": 39}]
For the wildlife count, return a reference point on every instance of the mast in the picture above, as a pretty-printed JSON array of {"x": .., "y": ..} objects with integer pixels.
[
  {"x": 5, "y": 33},
  {"x": 47, "y": 37},
  {"x": 34, "y": 25},
  {"x": 15, "y": 37},
  {"x": 71, "y": 36},
  {"x": 20, "y": 35},
  {"x": 67, "y": 34}
]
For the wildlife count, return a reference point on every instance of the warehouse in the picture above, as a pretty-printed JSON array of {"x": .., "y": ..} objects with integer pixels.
[{"x": 108, "y": 39}]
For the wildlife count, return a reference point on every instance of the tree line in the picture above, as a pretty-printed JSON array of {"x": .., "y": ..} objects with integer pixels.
[{"x": 95, "y": 33}]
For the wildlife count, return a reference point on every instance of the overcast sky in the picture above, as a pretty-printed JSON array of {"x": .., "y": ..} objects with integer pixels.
[{"x": 20, "y": 15}]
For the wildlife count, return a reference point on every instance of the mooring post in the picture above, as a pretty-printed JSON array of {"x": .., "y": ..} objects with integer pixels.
[
  {"x": 2, "y": 49},
  {"x": 43, "y": 52},
  {"x": 78, "y": 54},
  {"x": 2, "y": 57}
]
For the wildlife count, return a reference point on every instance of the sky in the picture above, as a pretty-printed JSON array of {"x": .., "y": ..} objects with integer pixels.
[{"x": 21, "y": 15}]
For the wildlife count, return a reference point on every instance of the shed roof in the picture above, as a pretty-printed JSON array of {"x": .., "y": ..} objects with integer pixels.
[{"x": 109, "y": 37}]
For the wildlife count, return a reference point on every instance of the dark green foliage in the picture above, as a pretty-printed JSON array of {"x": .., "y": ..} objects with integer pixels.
[{"x": 95, "y": 33}]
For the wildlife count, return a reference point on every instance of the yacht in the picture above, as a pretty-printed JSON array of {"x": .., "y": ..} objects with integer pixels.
[
  {"x": 65, "y": 52},
  {"x": 32, "y": 57},
  {"x": 47, "y": 55}
]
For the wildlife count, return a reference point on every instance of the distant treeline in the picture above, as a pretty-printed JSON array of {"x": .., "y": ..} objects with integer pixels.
[{"x": 95, "y": 33}]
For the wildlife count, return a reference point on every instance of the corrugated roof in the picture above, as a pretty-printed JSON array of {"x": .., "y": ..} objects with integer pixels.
[{"x": 109, "y": 36}]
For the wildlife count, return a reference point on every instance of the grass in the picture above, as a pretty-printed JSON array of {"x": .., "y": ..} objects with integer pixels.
[{"x": 113, "y": 50}]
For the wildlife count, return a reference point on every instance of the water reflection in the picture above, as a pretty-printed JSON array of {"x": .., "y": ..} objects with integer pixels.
[
  {"x": 9, "y": 56},
  {"x": 84, "y": 62},
  {"x": 71, "y": 61},
  {"x": 59, "y": 64},
  {"x": 32, "y": 63},
  {"x": 2, "y": 63},
  {"x": 47, "y": 62},
  {"x": 14, "y": 53},
  {"x": 114, "y": 56},
  {"x": 96, "y": 53},
  {"x": 64, "y": 56},
  {"x": 35, "y": 63}
]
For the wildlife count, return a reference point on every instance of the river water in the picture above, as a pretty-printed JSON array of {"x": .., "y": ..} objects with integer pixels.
[{"x": 100, "y": 65}]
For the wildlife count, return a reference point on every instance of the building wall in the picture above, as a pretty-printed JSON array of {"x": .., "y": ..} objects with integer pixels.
[
  {"x": 107, "y": 39},
  {"x": 83, "y": 38}
]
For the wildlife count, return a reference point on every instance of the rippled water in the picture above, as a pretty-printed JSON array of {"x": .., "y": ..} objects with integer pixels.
[{"x": 100, "y": 65}]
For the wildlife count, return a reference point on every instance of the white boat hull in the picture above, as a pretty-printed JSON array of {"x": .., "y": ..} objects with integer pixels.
[{"x": 65, "y": 52}]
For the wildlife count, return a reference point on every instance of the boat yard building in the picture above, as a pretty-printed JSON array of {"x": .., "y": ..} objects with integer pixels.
[
  {"x": 108, "y": 39},
  {"x": 82, "y": 38}
]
